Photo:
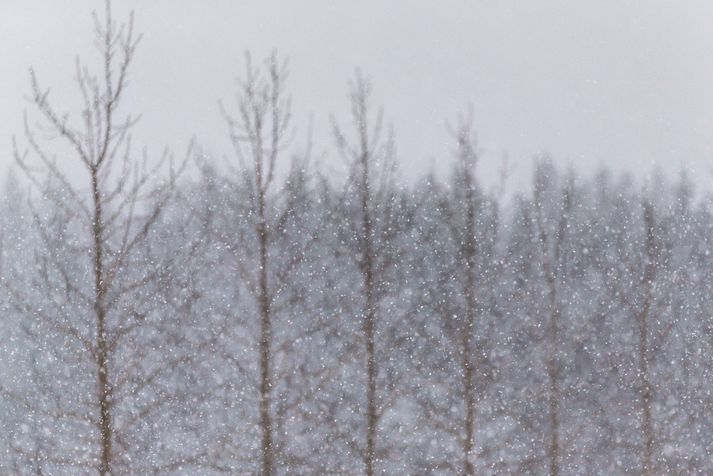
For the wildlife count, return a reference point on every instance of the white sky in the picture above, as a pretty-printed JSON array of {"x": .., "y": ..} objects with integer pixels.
[{"x": 624, "y": 83}]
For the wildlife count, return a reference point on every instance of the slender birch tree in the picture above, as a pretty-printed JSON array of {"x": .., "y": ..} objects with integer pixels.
[
  {"x": 90, "y": 304},
  {"x": 370, "y": 161}
]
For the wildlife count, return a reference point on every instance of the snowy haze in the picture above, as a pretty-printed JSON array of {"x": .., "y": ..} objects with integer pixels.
[
  {"x": 621, "y": 83},
  {"x": 335, "y": 318}
]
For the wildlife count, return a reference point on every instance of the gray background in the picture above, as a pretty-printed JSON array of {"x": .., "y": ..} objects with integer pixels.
[{"x": 623, "y": 83}]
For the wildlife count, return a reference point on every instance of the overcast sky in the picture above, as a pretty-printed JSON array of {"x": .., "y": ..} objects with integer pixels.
[{"x": 616, "y": 82}]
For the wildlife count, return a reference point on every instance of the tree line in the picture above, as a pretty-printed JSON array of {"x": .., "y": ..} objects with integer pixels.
[{"x": 261, "y": 317}]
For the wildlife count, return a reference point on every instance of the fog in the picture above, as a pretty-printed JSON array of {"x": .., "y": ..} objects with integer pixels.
[{"x": 332, "y": 277}]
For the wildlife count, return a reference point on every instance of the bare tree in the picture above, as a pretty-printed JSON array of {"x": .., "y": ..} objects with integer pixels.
[
  {"x": 466, "y": 162},
  {"x": 371, "y": 162},
  {"x": 462, "y": 292},
  {"x": 98, "y": 273},
  {"x": 551, "y": 242},
  {"x": 259, "y": 133},
  {"x": 644, "y": 360}
]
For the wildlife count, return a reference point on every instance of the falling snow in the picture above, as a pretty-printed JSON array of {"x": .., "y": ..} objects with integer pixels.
[{"x": 188, "y": 314}]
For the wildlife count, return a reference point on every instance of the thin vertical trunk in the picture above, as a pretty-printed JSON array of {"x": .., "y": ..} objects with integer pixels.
[
  {"x": 647, "y": 433},
  {"x": 369, "y": 318},
  {"x": 646, "y": 426},
  {"x": 551, "y": 267},
  {"x": 102, "y": 356},
  {"x": 469, "y": 252},
  {"x": 268, "y": 458},
  {"x": 553, "y": 375},
  {"x": 469, "y": 400}
]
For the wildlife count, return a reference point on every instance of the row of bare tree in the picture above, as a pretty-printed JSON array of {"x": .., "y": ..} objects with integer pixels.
[{"x": 266, "y": 319}]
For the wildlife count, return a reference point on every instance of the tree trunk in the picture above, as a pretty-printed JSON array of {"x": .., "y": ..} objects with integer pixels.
[
  {"x": 646, "y": 426},
  {"x": 552, "y": 268},
  {"x": 469, "y": 251},
  {"x": 553, "y": 376},
  {"x": 265, "y": 339},
  {"x": 647, "y": 433},
  {"x": 469, "y": 400},
  {"x": 369, "y": 320},
  {"x": 102, "y": 356}
]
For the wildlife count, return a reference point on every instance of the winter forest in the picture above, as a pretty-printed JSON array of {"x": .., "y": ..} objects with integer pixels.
[{"x": 178, "y": 314}]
